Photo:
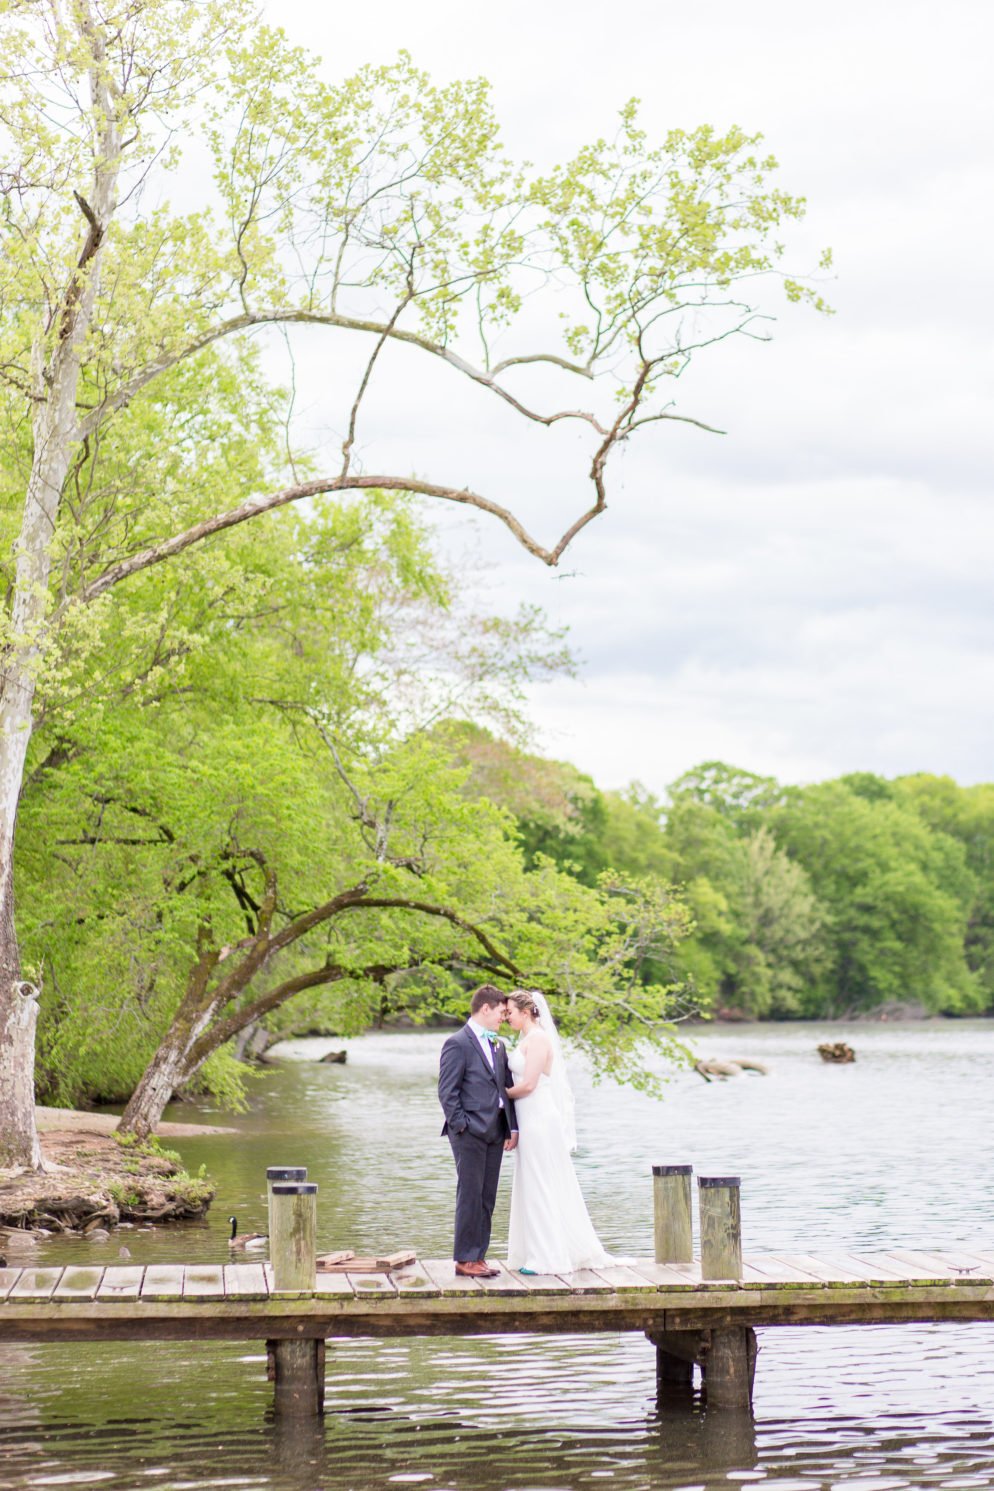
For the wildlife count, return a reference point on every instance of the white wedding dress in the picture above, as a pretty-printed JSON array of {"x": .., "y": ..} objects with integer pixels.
[{"x": 550, "y": 1231}]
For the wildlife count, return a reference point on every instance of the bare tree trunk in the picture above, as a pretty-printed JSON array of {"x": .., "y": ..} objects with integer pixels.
[
  {"x": 164, "y": 1073},
  {"x": 18, "y": 1016},
  {"x": 54, "y": 427}
]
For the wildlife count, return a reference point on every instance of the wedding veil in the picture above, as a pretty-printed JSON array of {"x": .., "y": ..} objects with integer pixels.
[{"x": 561, "y": 1091}]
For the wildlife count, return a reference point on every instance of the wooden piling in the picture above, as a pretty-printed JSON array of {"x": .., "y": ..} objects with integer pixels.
[
  {"x": 297, "y": 1366},
  {"x": 673, "y": 1227},
  {"x": 729, "y": 1364},
  {"x": 297, "y": 1370},
  {"x": 673, "y": 1242},
  {"x": 730, "y": 1367},
  {"x": 721, "y": 1226},
  {"x": 282, "y": 1173}
]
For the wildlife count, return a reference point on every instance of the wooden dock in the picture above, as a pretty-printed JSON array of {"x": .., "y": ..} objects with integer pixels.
[
  {"x": 239, "y": 1301},
  {"x": 698, "y": 1313}
]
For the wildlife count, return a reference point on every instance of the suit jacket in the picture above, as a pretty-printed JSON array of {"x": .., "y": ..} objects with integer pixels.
[{"x": 469, "y": 1089}]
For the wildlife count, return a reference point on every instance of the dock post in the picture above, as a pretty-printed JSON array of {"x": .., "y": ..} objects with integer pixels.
[
  {"x": 280, "y": 1173},
  {"x": 673, "y": 1242},
  {"x": 298, "y": 1365},
  {"x": 730, "y": 1363}
]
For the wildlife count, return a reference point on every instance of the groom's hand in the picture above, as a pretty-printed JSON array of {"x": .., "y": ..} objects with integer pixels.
[{"x": 511, "y": 1143}]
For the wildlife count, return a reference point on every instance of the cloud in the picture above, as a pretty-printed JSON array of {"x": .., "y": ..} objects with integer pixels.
[{"x": 810, "y": 593}]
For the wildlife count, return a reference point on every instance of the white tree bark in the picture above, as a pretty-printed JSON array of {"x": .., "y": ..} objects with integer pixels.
[{"x": 55, "y": 381}]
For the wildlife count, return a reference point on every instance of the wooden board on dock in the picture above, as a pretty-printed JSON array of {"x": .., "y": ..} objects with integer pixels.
[{"x": 237, "y": 1301}]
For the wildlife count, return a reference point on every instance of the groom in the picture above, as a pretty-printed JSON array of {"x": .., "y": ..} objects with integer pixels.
[{"x": 479, "y": 1122}]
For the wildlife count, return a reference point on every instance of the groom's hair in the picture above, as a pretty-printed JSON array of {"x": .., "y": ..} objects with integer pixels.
[{"x": 485, "y": 994}]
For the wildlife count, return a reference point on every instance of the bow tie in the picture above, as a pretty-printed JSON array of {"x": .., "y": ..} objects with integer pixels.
[{"x": 492, "y": 1037}]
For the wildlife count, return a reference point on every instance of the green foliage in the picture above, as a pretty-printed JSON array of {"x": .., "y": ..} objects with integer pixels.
[{"x": 823, "y": 900}]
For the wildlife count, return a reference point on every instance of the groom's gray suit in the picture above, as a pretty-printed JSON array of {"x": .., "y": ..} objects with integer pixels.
[{"x": 479, "y": 1117}]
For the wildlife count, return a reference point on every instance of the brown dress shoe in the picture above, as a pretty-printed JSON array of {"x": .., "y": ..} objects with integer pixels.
[
  {"x": 492, "y": 1273},
  {"x": 474, "y": 1269}
]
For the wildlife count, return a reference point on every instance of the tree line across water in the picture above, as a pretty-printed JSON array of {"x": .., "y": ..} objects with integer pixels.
[{"x": 828, "y": 900}]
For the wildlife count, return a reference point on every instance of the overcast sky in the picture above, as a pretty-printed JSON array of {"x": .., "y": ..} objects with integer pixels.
[{"x": 812, "y": 592}]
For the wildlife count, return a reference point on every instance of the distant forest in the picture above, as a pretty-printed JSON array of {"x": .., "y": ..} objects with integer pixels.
[{"x": 821, "y": 901}]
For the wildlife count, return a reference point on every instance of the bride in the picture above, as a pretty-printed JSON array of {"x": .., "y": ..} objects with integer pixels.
[{"x": 550, "y": 1231}]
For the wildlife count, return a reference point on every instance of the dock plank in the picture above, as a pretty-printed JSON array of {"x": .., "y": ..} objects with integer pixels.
[
  {"x": 163, "y": 1281},
  {"x": 835, "y": 1275},
  {"x": 442, "y": 1273},
  {"x": 617, "y": 1276},
  {"x": 120, "y": 1284},
  {"x": 366, "y": 1284},
  {"x": 925, "y": 1265},
  {"x": 413, "y": 1280},
  {"x": 505, "y": 1282},
  {"x": 328, "y": 1285},
  {"x": 786, "y": 1268},
  {"x": 542, "y": 1283},
  {"x": 884, "y": 1271},
  {"x": 965, "y": 1266},
  {"x": 79, "y": 1283},
  {"x": 36, "y": 1284},
  {"x": 664, "y": 1276},
  {"x": 203, "y": 1281},
  {"x": 8, "y": 1278},
  {"x": 586, "y": 1281}
]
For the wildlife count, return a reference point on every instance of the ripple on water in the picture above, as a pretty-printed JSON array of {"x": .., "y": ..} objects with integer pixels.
[{"x": 856, "y": 1156}]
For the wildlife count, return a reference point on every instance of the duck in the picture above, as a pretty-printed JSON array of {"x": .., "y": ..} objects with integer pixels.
[{"x": 247, "y": 1239}]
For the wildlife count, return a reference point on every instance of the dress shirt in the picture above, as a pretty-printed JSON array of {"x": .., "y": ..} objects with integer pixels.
[{"x": 483, "y": 1036}]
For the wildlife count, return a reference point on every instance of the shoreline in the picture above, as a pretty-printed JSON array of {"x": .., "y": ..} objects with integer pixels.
[
  {"x": 92, "y": 1180},
  {"x": 79, "y": 1121}
]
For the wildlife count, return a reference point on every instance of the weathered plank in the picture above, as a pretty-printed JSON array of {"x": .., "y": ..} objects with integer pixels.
[
  {"x": 415, "y": 1281},
  {"x": 883, "y": 1270},
  {"x": 851, "y": 1266},
  {"x": 926, "y": 1265},
  {"x": 120, "y": 1284},
  {"x": 442, "y": 1274},
  {"x": 616, "y": 1276},
  {"x": 505, "y": 1282},
  {"x": 203, "y": 1281},
  {"x": 163, "y": 1281},
  {"x": 79, "y": 1283},
  {"x": 367, "y": 1284},
  {"x": 965, "y": 1266},
  {"x": 783, "y": 1270},
  {"x": 586, "y": 1281},
  {"x": 8, "y": 1278},
  {"x": 542, "y": 1283},
  {"x": 330, "y": 1285},
  {"x": 833, "y": 1273},
  {"x": 36, "y": 1283},
  {"x": 664, "y": 1275}
]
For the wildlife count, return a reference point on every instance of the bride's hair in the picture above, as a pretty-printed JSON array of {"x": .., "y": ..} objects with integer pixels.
[{"x": 524, "y": 1000}]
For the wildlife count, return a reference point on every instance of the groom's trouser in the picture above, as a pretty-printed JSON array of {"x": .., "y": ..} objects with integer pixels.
[{"x": 477, "y": 1174}]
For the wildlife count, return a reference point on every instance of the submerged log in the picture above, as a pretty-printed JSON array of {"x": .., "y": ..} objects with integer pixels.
[
  {"x": 836, "y": 1051},
  {"x": 715, "y": 1068}
]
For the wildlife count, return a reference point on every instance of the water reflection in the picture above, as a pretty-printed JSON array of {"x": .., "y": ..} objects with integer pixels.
[{"x": 858, "y": 1156}]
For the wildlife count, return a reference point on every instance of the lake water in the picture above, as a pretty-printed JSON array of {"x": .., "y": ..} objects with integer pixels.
[{"x": 891, "y": 1151}]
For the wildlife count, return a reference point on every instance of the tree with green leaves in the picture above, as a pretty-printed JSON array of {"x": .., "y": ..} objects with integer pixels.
[
  {"x": 897, "y": 892},
  {"x": 274, "y": 813},
  {"x": 381, "y": 209}
]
